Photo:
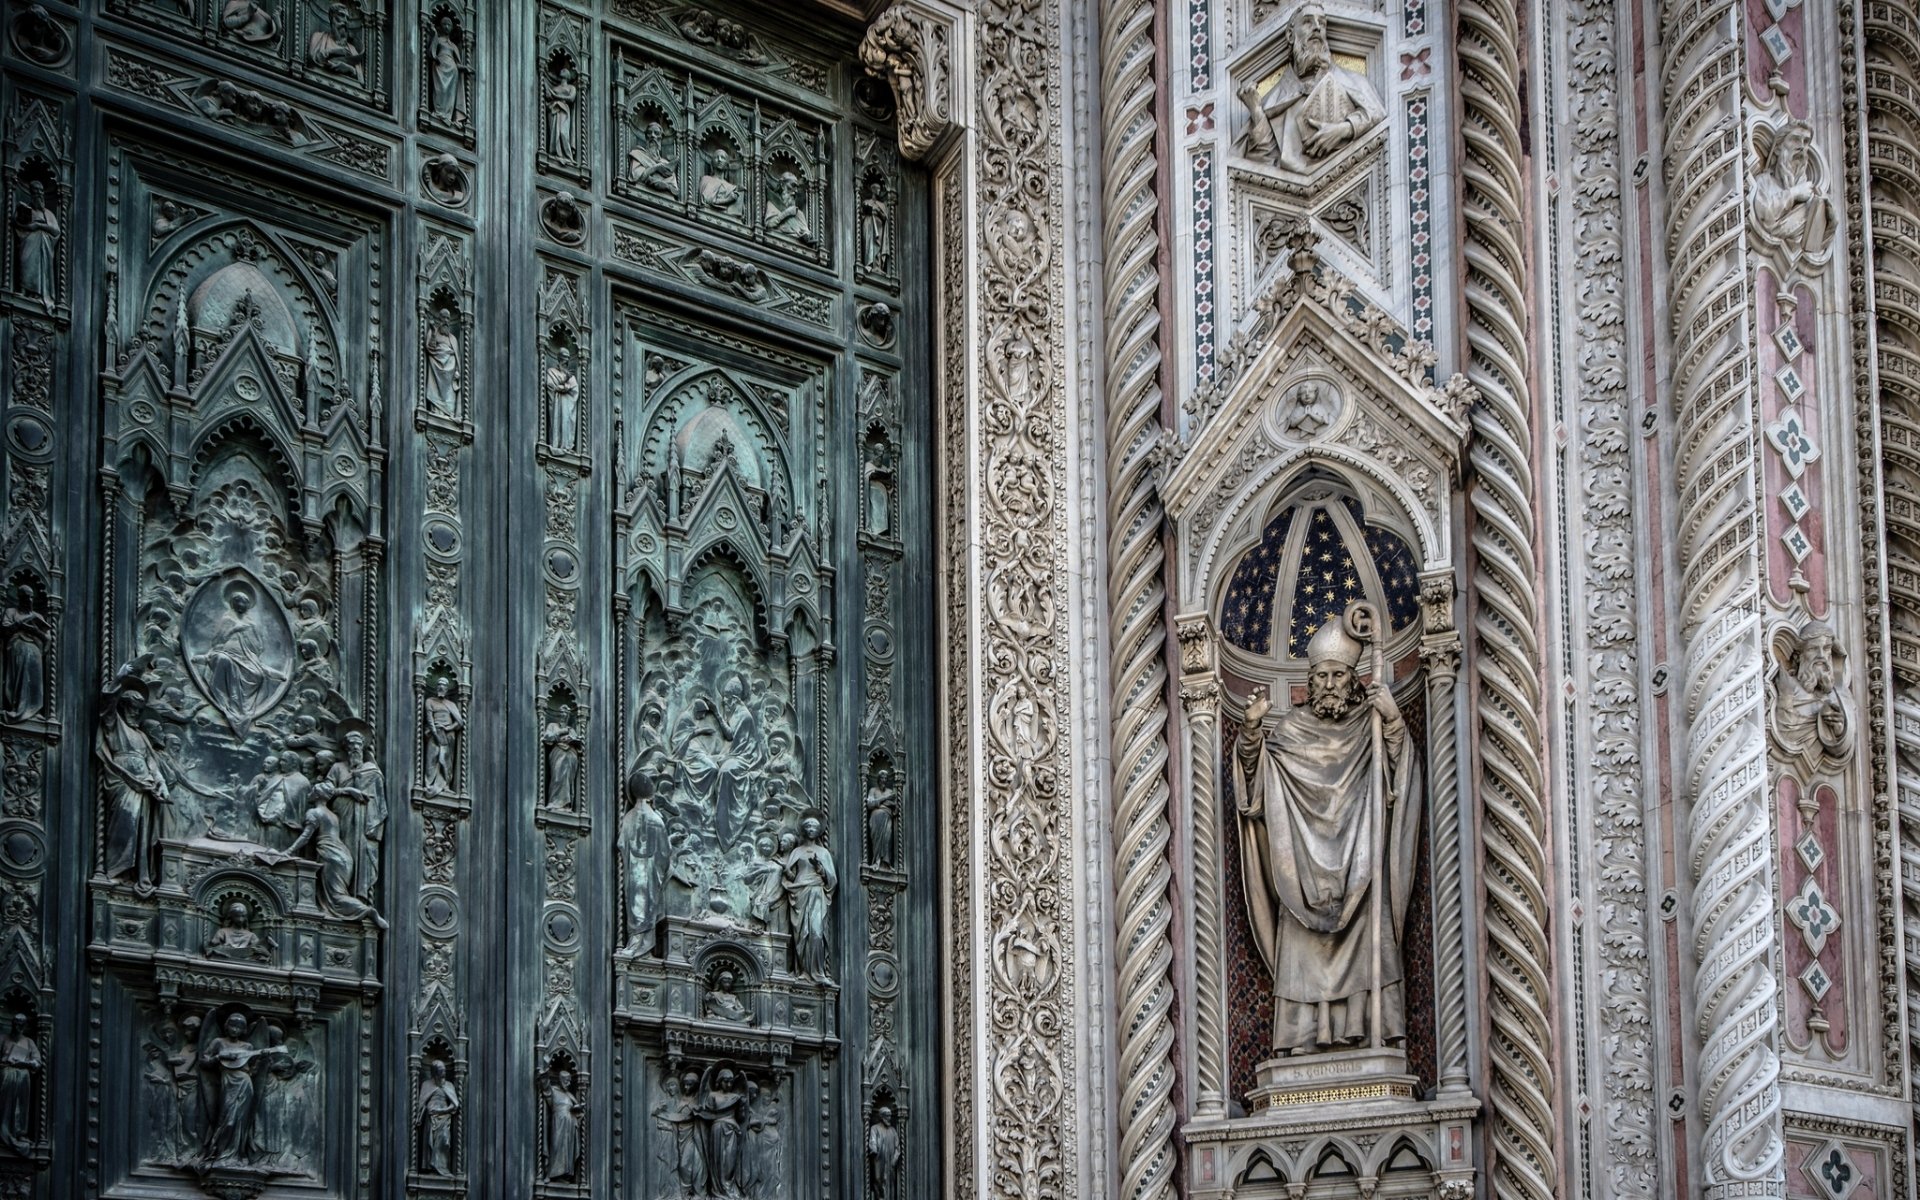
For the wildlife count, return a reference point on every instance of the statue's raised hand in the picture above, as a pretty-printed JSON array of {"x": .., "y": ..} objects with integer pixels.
[{"x": 1259, "y": 704}]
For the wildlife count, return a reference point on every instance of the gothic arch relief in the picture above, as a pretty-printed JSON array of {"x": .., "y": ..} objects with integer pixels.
[
  {"x": 243, "y": 812},
  {"x": 1313, "y": 514}
]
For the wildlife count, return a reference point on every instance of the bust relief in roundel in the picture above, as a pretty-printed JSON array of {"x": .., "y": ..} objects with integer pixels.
[
  {"x": 237, "y": 644},
  {"x": 1306, "y": 409}
]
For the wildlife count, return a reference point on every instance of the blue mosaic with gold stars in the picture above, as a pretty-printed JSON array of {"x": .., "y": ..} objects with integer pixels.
[
  {"x": 1399, "y": 574},
  {"x": 1246, "y": 619},
  {"x": 1329, "y": 580},
  {"x": 1327, "y": 583}
]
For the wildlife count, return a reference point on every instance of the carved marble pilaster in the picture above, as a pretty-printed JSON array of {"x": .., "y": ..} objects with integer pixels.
[
  {"x": 1200, "y": 701},
  {"x": 1136, "y": 607},
  {"x": 1605, "y": 886},
  {"x": 1440, "y": 655},
  {"x": 1023, "y": 1055}
]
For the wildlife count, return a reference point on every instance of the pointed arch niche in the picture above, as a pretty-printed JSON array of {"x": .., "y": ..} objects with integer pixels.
[{"x": 1326, "y": 473}]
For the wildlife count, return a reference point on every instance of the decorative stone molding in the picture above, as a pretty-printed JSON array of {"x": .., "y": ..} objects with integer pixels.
[
  {"x": 915, "y": 47},
  {"x": 1728, "y": 843},
  {"x": 1136, "y": 605},
  {"x": 1505, "y": 620},
  {"x": 1891, "y": 128},
  {"x": 1025, "y": 1056},
  {"x": 1615, "y": 1032}
]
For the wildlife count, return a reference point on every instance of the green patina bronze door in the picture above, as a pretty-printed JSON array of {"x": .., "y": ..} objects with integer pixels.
[{"x": 469, "y": 632}]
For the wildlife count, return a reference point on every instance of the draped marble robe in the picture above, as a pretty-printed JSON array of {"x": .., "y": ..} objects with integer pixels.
[{"x": 1308, "y": 847}]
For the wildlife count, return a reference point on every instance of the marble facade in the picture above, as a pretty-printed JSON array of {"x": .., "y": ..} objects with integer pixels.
[{"x": 803, "y": 546}]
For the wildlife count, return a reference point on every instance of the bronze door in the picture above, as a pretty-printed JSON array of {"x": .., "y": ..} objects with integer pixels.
[{"x": 469, "y": 635}]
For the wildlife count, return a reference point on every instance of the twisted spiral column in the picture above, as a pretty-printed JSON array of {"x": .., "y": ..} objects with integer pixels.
[
  {"x": 1716, "y": 476},
  {"x": 1136, "y": 598},
  {"x": 1442, "y": 659},
  {"x": 1505, "y": 613}
]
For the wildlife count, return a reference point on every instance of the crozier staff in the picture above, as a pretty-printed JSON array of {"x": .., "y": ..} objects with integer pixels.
[{"x": 1328, "y": 804}]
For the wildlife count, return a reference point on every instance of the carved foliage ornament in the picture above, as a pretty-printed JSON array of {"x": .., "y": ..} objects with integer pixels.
[{"x": 912, "y": 50}]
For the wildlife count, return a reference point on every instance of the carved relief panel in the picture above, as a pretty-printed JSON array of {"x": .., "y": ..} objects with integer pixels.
[
  {"x": 376, "y": 841},
  {"x": 243, "y": 808},
  {"x": 724, "y": 398}
]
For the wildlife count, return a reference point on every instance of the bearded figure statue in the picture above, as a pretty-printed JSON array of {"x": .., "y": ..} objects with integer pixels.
[
  {"x": 1811, "y": 720},
  {"x": 1329, "y": 798},
  {"x": 1315, "y": 107}
]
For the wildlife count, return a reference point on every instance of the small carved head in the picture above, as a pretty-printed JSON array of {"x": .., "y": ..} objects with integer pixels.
[
  {"x": 20, "y": 1020},
  {"x": 440, "y": 686},
  {"x": 1813, "y": 659},
  {"x": 810, "y": 829},
  {"x": 237, "y": 915},
  {"x": 1792, "y": 153},
  {"x": 724, "y": 980},
  {"x": 1309, "y": 32},
  {"x": 723, "y": 1080},
  {"x": 689, "y": 1083},
  {"x": 24, "y": 594},
  {"x": 437, "y": 1070},
  {"x": 564, "y": 1079},
  {"x": 240, "y": 599},
  {"x": 884, "y": 1114},
  {"x": 236, "y": 1025}
]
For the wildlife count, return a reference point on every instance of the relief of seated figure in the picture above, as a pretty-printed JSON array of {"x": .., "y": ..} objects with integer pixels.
[{"x": 236, "y": 941}]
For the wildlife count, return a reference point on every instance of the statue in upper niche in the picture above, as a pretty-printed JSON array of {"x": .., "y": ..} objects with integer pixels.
[
  {"x": 332, "y": 48},
  {"x": 250, "y": 20},
  {"x": 1328, "y": 798},
  {"x": 1315, "y": 107},
  {"x": 443, "y": 74},
  {"x": 1791, "y": 212},
  {"x": 786, "y": 207},
  {"x": 717, "y": 188},
  {"x": 1811, "y": 720},
  {"x": 650, "y": 163}
]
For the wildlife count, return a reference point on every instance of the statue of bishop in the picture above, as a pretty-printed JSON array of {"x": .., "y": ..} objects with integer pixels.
[{"x": 1329, "y": 798}]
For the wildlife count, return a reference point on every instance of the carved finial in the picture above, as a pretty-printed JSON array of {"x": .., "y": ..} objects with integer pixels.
[
  {"x": 1459, "y": 396},
  {"x": 182, "y": 341},
  {"x": 911, "y": 50}
]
